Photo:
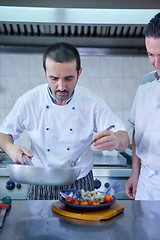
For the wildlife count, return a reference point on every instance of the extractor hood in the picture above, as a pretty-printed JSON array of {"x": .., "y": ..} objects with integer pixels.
[{"x": 99, "y": 28}]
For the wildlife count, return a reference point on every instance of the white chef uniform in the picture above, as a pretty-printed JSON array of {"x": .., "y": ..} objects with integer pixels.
[
  {"x": 145, "y": 119},
  {"x": 59, "y": 131}
]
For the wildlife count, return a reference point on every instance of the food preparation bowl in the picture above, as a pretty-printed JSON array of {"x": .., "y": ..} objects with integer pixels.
[
  {"x": 87, "y": 208},
  {"x": 42, "y": 175}
]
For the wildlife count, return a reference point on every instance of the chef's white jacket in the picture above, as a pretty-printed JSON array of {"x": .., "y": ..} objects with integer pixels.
[
  {"x": 145, "y": 119},
  {"x": 59, "y": 133}
]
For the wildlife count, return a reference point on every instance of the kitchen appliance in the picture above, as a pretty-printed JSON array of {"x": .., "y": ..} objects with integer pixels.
[
  {"x": 7, "y": 186},
  {"x": 109, "y": 169},
  {"x": 83, "y": 27}
]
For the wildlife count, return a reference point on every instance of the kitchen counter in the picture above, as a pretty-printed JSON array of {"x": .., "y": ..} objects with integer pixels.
[{"x": 34, "y": 220}]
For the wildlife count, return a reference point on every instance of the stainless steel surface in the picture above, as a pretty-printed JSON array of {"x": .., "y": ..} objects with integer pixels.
[
  {"x": 34, "y": 220},
  {"x": 37, "y": 26},
  {"x": 19, "y": 191},
  {"x": 109, "y": 4},
  {"x": 109, "y": 161},
  {"x": 38, "y": 175},
  {"x": 107, "y": 177},
  {"x": 4, "y": 160},
  {"x": 16, "y": 193},
  {"x": 43, "y": 175},
  {"x": 110, "y": 169}
]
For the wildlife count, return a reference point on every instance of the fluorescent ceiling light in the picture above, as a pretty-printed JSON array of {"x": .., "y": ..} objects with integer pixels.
[{"x": 76, "y": 15}]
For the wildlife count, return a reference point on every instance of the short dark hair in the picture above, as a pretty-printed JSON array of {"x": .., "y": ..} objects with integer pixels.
[
  {"x": 153, "y": 27},
  {"x": 62, "y": 52}
]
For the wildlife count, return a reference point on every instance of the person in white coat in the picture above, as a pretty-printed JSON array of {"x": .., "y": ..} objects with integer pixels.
[
  {"x": 144, "y": 183},
  {"x": 61, "y": 119}
]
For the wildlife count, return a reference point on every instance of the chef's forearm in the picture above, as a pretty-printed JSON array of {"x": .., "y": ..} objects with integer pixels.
[
  {"x": 122, "y": 140},
  {"x": 136, "y": 163},
  {"x": 6, "y": 141}
]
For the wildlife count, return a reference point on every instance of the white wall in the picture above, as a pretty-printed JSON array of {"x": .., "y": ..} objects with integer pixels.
[{"x": 114, "y": 78}]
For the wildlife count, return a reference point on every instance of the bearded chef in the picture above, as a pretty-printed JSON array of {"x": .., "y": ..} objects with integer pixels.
[{"x": 61, "y": 118}]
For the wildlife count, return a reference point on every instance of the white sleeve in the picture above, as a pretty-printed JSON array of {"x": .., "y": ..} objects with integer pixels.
[
  {"x": 131, "y": 119},
  {"x": 105, "y": 118},
  {"x": 13, "y": 123}
]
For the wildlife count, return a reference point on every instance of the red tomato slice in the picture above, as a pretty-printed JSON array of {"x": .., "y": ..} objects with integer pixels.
[
  {"x": 108, "y": 198},
  {"x": 76, "y": 201},
  {"x": 85, "y": 202},
  {"x": 69, "y": 200}
]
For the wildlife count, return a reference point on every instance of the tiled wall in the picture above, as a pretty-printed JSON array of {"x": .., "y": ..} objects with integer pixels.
[{"x": 114, "y": 78}]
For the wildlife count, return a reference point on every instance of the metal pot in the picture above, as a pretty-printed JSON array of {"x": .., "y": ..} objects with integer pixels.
[{"x": 43, "y": 175}]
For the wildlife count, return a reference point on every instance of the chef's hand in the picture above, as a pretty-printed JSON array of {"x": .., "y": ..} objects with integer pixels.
[
  {"x": 16, "y": 153},
  {"x": 105, "y": 140},
  {"x": 131, "y": 186}
]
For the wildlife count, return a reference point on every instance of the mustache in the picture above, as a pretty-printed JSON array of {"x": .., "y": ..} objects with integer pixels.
[{"x": 64, "y": 91}]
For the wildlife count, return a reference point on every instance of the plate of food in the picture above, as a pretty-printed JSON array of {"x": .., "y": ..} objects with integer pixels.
[{"x": 86, "y": 200}]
